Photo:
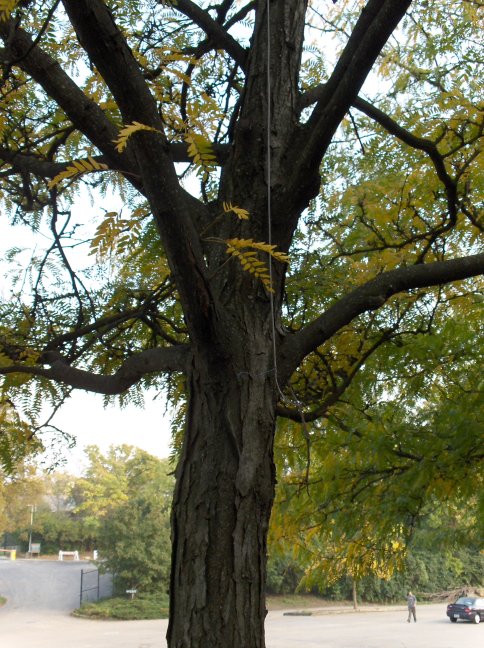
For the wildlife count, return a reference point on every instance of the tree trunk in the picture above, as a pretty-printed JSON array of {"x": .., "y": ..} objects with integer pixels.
[
  {"x": 222, "y": 504},
  {"x": 355, "y": 595}
]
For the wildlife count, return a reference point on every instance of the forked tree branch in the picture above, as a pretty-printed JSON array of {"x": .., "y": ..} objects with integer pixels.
[
  {"x": 214, "y": 30},
  {"x": 378, "y": 20},
  {"x": 368, "y": 297}
]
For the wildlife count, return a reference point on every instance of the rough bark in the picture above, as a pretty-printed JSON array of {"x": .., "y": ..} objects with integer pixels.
[{"x": 223, "y": 498}]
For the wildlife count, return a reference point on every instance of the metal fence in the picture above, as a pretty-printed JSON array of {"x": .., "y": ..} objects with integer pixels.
[{"x": 94, "y": 585}]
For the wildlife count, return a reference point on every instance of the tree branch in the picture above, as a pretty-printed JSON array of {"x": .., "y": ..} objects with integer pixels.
[
  {"x": 84, "y": 113},
  {"x": 176, "y": 212},
  {"x": 375, "y": 25},
  {"x": 415, "y": 142},
  {"x": 391, "y": 126},
  {"x": 131, "y": 371},
  {"x": 27, "y": 163},
  {"x": 368, "y": 297},
  {"x": 338, "y": 390},
  {"x": 214, "y": 31},
  {"x": 109, "y": 52},
  {"x": 42, "y": 168}
]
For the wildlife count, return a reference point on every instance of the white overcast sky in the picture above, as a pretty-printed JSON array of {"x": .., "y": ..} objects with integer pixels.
[{"x": 84, "y": 415}]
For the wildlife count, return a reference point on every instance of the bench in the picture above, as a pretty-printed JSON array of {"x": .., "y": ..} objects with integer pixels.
[{"x": 73, "y": 554}]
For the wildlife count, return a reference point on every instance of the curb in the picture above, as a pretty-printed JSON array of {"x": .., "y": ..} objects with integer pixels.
[{"x": 349, "y": 610}]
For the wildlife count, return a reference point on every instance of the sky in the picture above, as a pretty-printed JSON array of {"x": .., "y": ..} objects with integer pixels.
[{"x": 85, "y": 417}]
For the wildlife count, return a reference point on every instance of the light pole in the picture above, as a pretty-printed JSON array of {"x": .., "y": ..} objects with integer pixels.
[{"x": 32, "y": 511}]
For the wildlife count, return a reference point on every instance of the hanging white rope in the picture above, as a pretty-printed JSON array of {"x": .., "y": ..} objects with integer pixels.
[{"x": 295, "y": 400}]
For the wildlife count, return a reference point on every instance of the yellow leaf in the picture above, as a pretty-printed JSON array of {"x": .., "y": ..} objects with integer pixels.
[
  {"x": 201, "y": 152},
  {"x": 242, "y": 214},
  {"x": 77, "y": 168},
  {"x": 126, "y": 132}
]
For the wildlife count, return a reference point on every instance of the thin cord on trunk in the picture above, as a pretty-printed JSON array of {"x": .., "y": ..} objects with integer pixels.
[{"x": 269, "y": 240}]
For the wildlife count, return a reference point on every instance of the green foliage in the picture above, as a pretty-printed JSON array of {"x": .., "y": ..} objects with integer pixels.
[
  {"x": 120, "y": 507},
  {"x": 124, "y": 500},
  {"x": 388, "y": 458},
  {"x": 284, "y": 574},
  {"x": 142, "y": 606},
  {"x": 17, "y": 442},
  {"x": 19, "y": 493},
  {"x": 425, "y": 571}
]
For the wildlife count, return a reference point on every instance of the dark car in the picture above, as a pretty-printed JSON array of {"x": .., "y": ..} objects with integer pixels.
[{"x": 469, "y": 608}]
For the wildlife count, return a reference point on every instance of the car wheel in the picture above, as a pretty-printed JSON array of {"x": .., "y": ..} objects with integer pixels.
[
  {"x": 476, "y": 619},
  {"x": 452, "y": 620}
]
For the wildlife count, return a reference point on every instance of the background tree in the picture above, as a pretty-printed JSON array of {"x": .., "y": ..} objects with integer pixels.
[
  {"x": 120, "y": 506},
  {"x": 123, "y": 501},
  {"x": 134, "y": 532},
  {"x": 17, "y": 439},
  {"x": 383, "y": 468},
  {"x": 371, "y": 189},
  {"x": 18, "y": 495}
]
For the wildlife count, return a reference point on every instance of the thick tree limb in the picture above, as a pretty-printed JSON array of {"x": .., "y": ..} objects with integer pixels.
[
  {"x": 27, "y": 163},
  {"x": 216, "y": 33},
  {"x": 175, "y": 210},
  {"x": 275, "y": 60},
  {"x": 108, "y": 50},
  {"x": 368, "y": 297},
  {"x": 132, "y": 370},
  {"x": 375, "y": 25},
  {"x": 42, "y": 168},
  {"x": 84, "y": 113}
]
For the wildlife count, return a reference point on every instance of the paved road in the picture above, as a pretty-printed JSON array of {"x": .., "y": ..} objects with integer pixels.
[
  {"x": 44, "y": 584},
  {"x": 37, "y": 616},
  {"x": 379, "y": 629}
]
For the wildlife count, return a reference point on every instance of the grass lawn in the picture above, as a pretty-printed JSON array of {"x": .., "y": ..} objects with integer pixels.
[
  {"x": 143, "y": 606},
  {"x": 155, "y": 606}
]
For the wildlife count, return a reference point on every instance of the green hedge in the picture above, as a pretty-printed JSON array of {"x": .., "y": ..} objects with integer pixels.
[{"x": 425, "y": 573}]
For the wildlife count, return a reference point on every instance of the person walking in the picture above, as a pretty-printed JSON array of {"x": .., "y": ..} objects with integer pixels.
[{"x": 412, "y": 605}]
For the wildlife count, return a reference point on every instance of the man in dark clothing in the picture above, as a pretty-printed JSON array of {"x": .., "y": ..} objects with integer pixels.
[{"x": 412, "y": 604}]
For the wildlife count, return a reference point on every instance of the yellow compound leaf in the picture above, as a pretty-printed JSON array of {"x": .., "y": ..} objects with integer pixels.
[
  {"x": 77, "y": 168},
  {"x": 201, "y": 152},
  {"x": 126, "y": 132},
  {"x": 245, "y": 250},
  {"x": 242, "y": 214},
  {"x": 262, "y": 247}
]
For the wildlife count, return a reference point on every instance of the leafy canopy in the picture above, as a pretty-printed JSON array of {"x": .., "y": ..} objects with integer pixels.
[{"x": 401, "y": 188}]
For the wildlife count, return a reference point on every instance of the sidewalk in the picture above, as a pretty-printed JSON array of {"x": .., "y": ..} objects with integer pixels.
[{"x": 339, "y": 609}]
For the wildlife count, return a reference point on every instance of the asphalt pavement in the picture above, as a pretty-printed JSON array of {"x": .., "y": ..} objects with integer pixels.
[{"x": 40, "y": 598}]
